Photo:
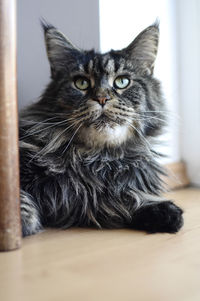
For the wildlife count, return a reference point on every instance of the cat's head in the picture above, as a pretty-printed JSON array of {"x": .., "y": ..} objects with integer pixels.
[{"x": 108, "y": 98}]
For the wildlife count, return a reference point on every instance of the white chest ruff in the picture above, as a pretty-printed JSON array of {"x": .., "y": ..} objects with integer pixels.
[{"x": 108, "y": 136}]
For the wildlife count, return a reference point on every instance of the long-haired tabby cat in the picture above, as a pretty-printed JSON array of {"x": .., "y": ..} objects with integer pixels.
[{"x": 86, "y": 151}]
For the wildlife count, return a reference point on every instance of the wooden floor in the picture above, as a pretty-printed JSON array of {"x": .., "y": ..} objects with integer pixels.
[{"x": 110, "y": 265}]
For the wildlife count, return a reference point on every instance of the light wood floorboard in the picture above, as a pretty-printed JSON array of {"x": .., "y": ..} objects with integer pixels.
[{"x": 102, "y": 265}]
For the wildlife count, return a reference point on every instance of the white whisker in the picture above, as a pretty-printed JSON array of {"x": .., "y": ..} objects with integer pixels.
[
  {"x": 141, "y": 136},
  {"x": 71, "y": 138},
  {"x": 45, "y": 128},
  {"x": 149, "y": 117},
  {"x": 49, "y": 146}
]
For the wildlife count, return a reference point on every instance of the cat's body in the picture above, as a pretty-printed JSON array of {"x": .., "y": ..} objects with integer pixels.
[{"x": 85, "y": 148}]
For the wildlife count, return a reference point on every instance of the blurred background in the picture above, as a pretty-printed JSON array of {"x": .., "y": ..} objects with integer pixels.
[{"x": 106, "y": 24}]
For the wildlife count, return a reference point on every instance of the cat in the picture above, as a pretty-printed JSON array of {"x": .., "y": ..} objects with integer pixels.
[{"x": 86, "y": 150}]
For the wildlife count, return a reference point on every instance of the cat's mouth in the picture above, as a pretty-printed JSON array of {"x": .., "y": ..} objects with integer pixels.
[
  {"x": 104, "y": 118},
  {"x": 103, "y": 121}
]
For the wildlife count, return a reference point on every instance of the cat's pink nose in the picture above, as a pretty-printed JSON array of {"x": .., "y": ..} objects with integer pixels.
[{"x": 102, "y": 99}]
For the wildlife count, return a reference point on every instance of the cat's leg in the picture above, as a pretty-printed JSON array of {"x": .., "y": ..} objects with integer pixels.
[
  {"x": 157, "y": 216},
  {"x": 30, "y": 216}
]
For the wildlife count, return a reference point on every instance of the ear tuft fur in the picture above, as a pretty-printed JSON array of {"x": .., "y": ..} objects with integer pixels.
[
  {"x": 60, "y": 50},
  {"x": 156, "y": 24},
  {"x": 144, "y": 48},
  {"x": 46, "y": 25}
]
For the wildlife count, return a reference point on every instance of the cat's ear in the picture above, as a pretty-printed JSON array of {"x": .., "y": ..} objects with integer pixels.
[
  {"x": 60, "y": 50},
  {"x": 144, "y": 48}
]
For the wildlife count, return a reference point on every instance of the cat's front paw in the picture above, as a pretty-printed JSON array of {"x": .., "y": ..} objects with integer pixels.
[
  {"x": 30, "y": 223},
  {"x": 29, "y": 215},
  {"x": 159, "y": 217}
]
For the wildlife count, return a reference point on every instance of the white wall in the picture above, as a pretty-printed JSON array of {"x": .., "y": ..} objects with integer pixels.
[
  {"x": 120, "y": 22},
  {"x": 78, "y": 19},
  {"x": 188, "y": 12}
]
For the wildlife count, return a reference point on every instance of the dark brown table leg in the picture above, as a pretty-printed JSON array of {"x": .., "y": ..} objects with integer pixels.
[{"x": 10, "y": 226}]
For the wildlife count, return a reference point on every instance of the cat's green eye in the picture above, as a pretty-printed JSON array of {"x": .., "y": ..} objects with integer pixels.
[
  {"x": 82, "y": 83},
  {"x": 121, "y": 82}
]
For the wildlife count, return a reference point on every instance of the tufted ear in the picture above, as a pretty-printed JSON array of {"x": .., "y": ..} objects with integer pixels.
[
  {"x": 60, "y": 50},
  {"x": 144, "y": 48}
]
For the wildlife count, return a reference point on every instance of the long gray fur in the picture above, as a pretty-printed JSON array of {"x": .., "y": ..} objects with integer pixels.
[{"x": 84, "y": 165}]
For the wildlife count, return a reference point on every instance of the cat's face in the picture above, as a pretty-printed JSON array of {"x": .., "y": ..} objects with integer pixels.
[{"x": 109, "y": 98}]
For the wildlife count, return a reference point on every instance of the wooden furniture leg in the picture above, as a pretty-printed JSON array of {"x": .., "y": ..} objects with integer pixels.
[{"x": 10, "y": 227}]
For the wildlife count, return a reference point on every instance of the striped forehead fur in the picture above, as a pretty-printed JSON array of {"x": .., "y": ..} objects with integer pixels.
[
  {"x": 110, "y": 66},
  {"x": 102, "y": 64}
]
